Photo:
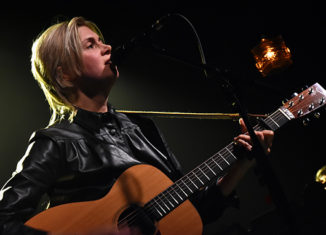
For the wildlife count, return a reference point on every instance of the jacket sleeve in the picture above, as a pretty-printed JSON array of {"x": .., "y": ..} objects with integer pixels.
[{"x": 22, "y": 193}]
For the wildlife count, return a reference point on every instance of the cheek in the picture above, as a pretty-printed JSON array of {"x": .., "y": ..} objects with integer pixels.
[{"x": 92, "y": 67}]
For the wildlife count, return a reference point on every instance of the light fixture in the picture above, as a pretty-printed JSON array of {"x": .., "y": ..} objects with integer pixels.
[
  {"x": 271, "y": 54},
  {"x": 321, "y": 176}
]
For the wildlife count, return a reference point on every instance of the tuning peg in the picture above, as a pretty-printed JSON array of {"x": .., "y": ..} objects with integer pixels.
[
  {"x": 284, "y": 101},
  {"x": 305, "y": 87},
  {"x": 317, "y": 115},
  {"x": 306, "y": 121},
  {"x": 294, "y": 94}
]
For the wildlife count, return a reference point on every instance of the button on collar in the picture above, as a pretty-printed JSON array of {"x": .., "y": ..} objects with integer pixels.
[{"x": 113, "y": 131}]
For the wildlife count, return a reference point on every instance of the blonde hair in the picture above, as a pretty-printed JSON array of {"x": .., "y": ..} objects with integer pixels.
[{"x": 59, "y": 46}]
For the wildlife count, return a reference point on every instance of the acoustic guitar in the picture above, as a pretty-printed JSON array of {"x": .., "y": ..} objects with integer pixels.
[{"x": 144, "y": 193}]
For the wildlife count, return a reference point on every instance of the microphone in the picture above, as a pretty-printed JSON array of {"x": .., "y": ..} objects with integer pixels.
[{"x": 120, "y": 52}]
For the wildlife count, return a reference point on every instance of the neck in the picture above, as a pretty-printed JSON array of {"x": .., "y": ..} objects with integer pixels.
[
  {"x": 97, "y": 103},
  {"x": 92, "y": 95}
]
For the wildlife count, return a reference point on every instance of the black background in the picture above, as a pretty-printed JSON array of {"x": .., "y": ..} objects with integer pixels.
[{"x": 228, "y": 31}]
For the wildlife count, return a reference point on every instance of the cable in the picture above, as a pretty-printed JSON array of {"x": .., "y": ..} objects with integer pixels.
[{"x": 199, "y": 45}]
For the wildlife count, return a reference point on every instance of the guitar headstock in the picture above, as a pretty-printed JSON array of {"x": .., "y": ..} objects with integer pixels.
[{"x": 308, "y": 101}]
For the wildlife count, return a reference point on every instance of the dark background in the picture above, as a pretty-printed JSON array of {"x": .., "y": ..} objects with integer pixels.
[{"x": 228, "y": 31}]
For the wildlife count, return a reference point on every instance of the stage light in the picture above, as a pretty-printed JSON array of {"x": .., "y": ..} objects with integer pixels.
[
  {"x": 321, "y": 176},
  {"x": 271, "y": 55}
]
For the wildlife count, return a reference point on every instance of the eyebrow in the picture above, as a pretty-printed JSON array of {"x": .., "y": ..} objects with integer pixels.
[{"x": 91, "y": 38}]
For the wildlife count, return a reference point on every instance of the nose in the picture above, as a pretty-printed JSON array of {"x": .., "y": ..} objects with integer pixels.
[{"x": 106, "y": 49}]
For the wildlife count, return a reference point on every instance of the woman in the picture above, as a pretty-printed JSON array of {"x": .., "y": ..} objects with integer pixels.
[{"x": 87, "y": 144}]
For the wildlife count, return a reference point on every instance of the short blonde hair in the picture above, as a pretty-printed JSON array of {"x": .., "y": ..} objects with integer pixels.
[{"x": 59, "y": 45}]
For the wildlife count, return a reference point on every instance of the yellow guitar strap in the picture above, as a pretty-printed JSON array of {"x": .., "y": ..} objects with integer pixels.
[{"x": 225, "y": 116}]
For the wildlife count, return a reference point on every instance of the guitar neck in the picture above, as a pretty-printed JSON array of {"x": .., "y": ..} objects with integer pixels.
[{"x": 206, "y": 172}]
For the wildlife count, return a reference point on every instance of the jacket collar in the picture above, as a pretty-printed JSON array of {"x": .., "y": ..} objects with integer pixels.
[{"x": 93, "y": 120}]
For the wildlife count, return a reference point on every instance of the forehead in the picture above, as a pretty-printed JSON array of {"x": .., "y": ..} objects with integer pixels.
[{"x": 85, "y": 33}]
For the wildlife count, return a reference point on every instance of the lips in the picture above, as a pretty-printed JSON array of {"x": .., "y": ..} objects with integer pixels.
[{"x": 113, "y": 67}]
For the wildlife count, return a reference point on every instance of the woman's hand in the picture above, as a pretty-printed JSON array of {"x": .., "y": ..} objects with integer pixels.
[
  {"x": 265, "y": 137},
  {"x": 229, "y": 182}
]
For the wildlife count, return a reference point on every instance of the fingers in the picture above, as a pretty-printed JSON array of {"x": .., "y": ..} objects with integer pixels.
[
  {"x": 243, "y": 143},
  {"x": 242, "y": 126},
  {"x": 268, "y": 137},
  {"x": 268, "y": 140},
  {"x": 265, "y": 137}
]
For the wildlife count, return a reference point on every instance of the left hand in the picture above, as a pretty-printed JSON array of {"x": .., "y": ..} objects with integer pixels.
[
  {"x": 229, "y": 182},
  {"x": 265, "y": 137}
]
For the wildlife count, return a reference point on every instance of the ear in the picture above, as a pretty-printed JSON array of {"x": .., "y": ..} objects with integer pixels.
[{"x": 64, "y": 80}]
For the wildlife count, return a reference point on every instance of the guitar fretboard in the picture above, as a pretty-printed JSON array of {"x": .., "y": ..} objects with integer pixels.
[{"x": 206, "y": 172}]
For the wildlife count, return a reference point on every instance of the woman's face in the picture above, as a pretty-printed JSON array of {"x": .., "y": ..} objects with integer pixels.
[{"x": 96, "y": 56}]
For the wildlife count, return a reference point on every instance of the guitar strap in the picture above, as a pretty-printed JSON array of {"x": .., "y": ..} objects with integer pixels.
[{"x": 151, "y": 131}]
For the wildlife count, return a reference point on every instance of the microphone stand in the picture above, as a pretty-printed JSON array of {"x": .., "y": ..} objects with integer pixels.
[{"x": 224, "y": 77}]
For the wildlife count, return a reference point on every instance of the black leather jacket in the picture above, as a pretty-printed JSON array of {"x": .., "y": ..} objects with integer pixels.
[{"x": 80, "y": 161}]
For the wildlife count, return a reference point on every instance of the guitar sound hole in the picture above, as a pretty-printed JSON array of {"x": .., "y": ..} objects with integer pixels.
[{"x": 135, "y": 217}]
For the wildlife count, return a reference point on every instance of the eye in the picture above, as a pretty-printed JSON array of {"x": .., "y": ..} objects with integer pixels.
[{"x": 90, "y": 46}]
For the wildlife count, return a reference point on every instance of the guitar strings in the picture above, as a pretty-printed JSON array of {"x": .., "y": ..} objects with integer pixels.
[
  {"x": 207, "y": 167},
  {"x": 161, "y": 197},
  {"x": 276, "y": 116},
  {"x": 132, "y": 215},
  {"x": 131, "y": 218},
  {"x": 211, "y": 163}
]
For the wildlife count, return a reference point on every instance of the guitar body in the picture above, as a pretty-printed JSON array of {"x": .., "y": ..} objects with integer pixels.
[{"x": 137, "y": 185}]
